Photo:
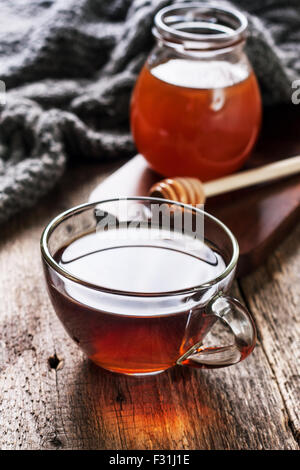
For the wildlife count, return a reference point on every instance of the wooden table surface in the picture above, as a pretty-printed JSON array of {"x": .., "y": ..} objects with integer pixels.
[{"x": 52, "y": 397}]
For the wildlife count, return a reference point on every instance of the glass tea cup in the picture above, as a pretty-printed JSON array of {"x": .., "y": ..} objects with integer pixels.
[{"x": 139, "y": 282}]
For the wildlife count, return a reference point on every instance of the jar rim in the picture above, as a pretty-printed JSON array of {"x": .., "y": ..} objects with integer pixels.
[{"x": 224, "y": 26}]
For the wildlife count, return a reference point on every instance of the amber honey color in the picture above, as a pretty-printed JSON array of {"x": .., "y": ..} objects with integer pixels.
[{"x": 191, "y": 119}]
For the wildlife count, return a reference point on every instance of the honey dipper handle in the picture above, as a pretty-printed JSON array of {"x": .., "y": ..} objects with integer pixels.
[{"x": 273, "y": 171}]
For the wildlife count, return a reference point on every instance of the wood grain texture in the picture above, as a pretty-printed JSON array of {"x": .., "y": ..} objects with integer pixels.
[
  {"x": 273, "y": 296},
  {"x": 51, "y": 397}
]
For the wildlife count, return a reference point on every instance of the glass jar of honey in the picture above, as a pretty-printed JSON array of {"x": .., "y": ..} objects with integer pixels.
[{"x": 196, "y": 106}]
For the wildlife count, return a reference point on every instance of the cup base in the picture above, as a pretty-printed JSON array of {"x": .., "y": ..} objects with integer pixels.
[
  {"x": 133, "y": 373},
  {"x": 142, "y": 374}
]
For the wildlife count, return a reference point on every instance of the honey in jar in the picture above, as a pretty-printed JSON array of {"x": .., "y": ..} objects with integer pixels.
[{"x": 196, "y": 106}]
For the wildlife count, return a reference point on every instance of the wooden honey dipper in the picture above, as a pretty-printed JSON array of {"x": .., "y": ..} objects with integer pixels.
[{"x": 192, "y": 191}]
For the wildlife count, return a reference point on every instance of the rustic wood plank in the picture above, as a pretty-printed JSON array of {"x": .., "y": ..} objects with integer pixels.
[
  {"x": 273, "y": 295},
  {"x": 68, "y": 403}
]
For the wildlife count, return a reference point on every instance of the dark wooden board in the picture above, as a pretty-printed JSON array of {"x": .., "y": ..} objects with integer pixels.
[{"x": 261, "y": 216}]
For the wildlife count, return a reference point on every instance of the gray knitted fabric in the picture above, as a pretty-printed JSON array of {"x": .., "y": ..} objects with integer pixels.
[{"x": 69, "y": 67}]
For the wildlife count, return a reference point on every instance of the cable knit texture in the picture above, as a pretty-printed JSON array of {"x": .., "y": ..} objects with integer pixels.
[{"x": 69, "y": 67}]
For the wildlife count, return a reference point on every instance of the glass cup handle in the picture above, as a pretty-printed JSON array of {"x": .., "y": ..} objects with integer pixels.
[{"x": 240, "y": 322}]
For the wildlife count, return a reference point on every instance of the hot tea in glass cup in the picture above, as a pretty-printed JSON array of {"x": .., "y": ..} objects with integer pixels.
[{"x": 139, "y": 282}]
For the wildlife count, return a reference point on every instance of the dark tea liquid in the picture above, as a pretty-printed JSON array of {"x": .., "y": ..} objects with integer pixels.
[{"x": 133, "y": 334}]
